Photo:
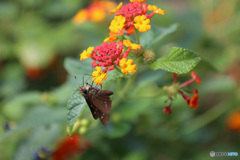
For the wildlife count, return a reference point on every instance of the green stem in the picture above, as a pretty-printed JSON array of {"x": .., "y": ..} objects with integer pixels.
[
  {"x": 117, "y": 68},
  {"x": 146, "y": 96},
  {"x": 205, "y": 118},
  {"x": 122, "y": 93},
  {"x": 137, "y": 36}
]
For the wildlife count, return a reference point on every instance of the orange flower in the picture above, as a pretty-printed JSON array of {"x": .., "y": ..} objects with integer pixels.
[
  {"x": 194, "y": 75},
  {"x": 193, "y": 103},
  {"x": 110, "y": 39},
  {"x": 233, "y": 121},
  {"x": 140, "y": 1},
  {"x": 95, "y": 12},
  {"x": 116, "y": 9},
  {"x": 155, "y": 9}
]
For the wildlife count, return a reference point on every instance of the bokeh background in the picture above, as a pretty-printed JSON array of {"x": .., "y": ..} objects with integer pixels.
[{"x": 37, "y": 36}]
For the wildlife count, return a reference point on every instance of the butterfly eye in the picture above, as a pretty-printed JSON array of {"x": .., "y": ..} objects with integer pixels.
[{"x": 85, "y": 91}]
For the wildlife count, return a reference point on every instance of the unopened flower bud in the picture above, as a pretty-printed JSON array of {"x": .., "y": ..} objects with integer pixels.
[
  {"x": 84, "y": 122},
  {"x": 167, "y": 110},
  {"x": 82, "y": 130},
  {"x": 149, "y": 56},
  {"x": 138, "y": 52},
  {"x": 171, "y": 90}
]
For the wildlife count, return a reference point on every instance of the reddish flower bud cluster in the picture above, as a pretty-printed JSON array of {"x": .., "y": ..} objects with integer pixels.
[{"x": 108, "y": 54}]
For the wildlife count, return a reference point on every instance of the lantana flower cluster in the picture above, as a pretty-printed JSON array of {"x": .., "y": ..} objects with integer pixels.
[
  {"x": 114, "y": 53},
  {"x": 133, "y": 15},
  {"x": 175, "y": 89},
  {"x": 109, "y": 56}
]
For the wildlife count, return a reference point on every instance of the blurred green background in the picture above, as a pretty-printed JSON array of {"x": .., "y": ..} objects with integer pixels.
[{"x": 37, "y": 36}]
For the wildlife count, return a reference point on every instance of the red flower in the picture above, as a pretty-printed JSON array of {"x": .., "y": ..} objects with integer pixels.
[
  {"x": 108, "y": 54},
  {"x": 70, "y": 146},
  {"x": 167, "y": 109}
]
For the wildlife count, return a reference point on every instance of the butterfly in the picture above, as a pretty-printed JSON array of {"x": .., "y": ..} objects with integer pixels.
[{"x": 98, "y": 101}]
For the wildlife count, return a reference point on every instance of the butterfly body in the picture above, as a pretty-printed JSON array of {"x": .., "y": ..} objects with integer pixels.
[{"x": 98, "y": 101}]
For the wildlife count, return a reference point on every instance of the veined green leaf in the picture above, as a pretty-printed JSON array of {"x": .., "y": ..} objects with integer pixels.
[
  {"x": 77, "y": 67},
  {"x": 178, "y": 60},
  {"x": 75, "y": 106}
]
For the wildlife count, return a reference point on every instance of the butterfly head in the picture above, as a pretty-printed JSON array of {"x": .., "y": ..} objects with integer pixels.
[{"x": 83, "y": 90}]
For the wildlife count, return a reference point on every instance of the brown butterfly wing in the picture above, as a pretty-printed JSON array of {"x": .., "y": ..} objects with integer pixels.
[
  {"x": 92, "y": 108},
  {"x": 103, "y": 104},
  {"x": 104, "y": 118},
  {"x": 99, "y": 103},
  {"x": 102, "y": 101}
]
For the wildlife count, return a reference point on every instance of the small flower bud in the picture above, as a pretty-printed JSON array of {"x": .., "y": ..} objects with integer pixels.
[
  {"x": 149, "y": 56},
  {"x": 138, "y": 52},
  {"x": 82, "y": 130},
  {"x": 171, "y": 90},
  {"x": 167, "y": 110},
  {"x": 84, "y": 122}
]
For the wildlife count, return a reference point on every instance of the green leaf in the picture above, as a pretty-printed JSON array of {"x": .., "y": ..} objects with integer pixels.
[
  {"x": 178, "y": 60},
  {"x": 75, "y": 106},
  {"x": 80, "y": 68},
  {"x": 155, "y": 34},
  {"x": 77, "y": 67},
  {"x": 38, "y": 116}
]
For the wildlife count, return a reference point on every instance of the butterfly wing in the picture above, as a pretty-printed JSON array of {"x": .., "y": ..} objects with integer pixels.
[
  {"x": 92, "y": 107},
  {"x": 99, "y": 103},
  {"x": 102, "y": 101}
]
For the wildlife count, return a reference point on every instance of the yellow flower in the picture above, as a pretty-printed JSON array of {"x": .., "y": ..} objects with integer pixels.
[
  {"x": 116, "y": 9},
  {"x": 142, "y": 23},
  {"x": 110, "y": 39},
  {"x": 80, "y": 17},
  {"x": 155, "y": 9},
  {"x": 97, "y": 15},
  {"x": 127, "y": 66},
  {"x": 127, "y": 43},
  {"x": 86, "y": 53},
  {"x": 140, "y": 1},
  {"x": 117, "y": 24},
  {"x": 98, "y": 75}
]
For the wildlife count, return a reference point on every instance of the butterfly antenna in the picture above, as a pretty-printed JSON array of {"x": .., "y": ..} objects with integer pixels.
[
  {"x": 76, "y": 80},
  {"x": 88, "y": 77}
]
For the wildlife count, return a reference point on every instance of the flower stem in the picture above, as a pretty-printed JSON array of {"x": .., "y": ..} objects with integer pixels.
[
  {"x": 117, "y": 68},
  {"x": 122, "y": 93},
  {"x": 137, "y": 36}
]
